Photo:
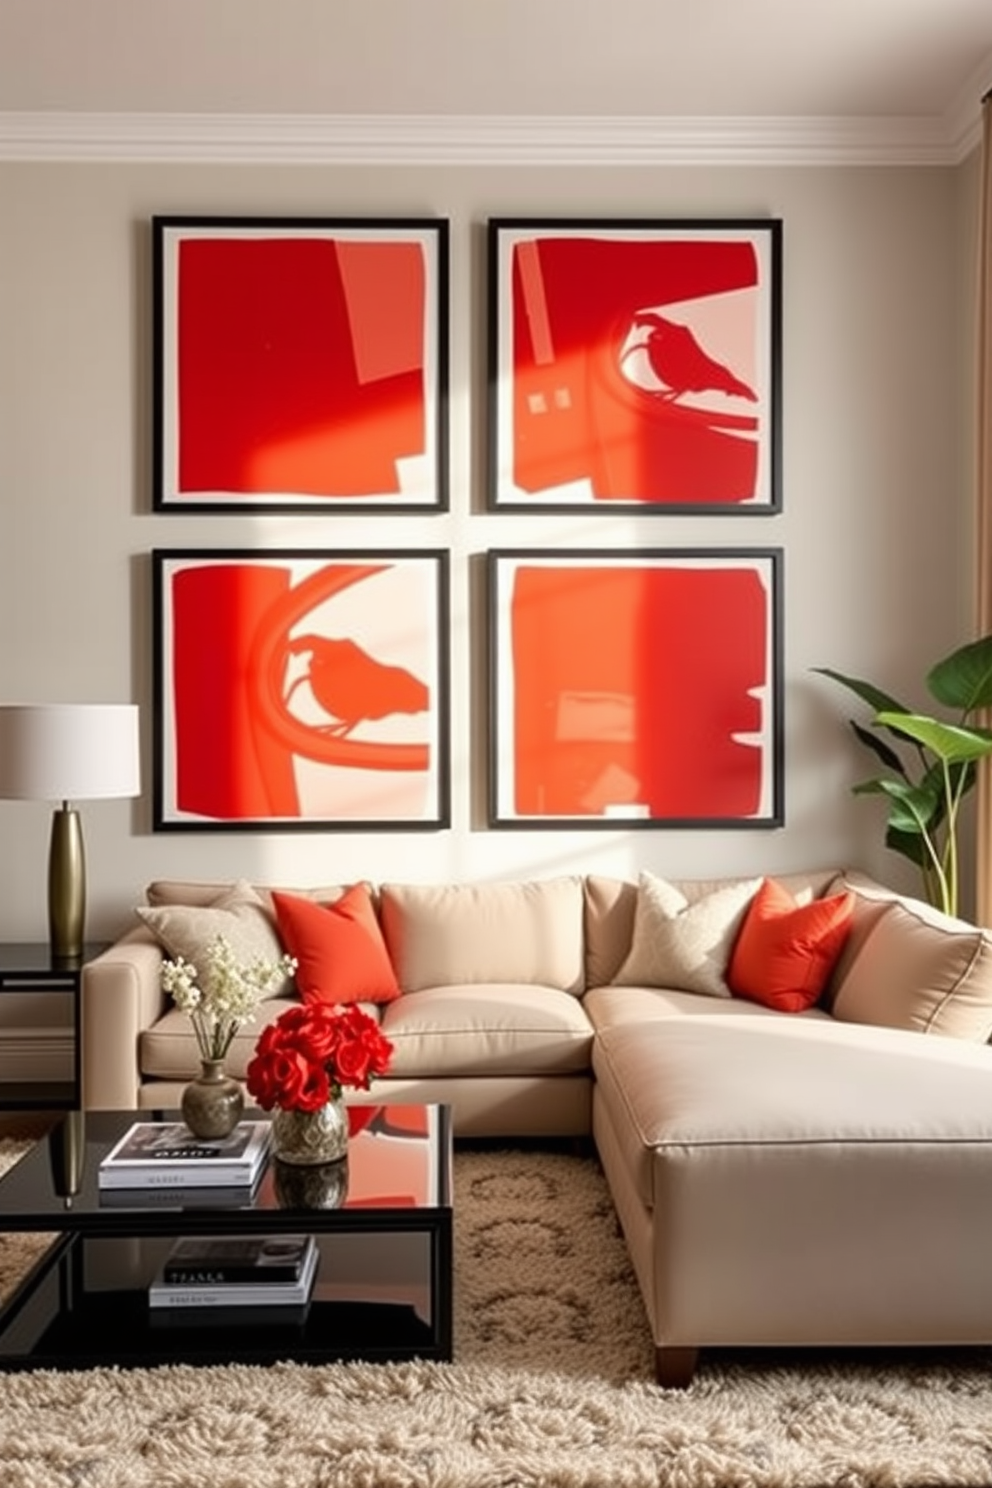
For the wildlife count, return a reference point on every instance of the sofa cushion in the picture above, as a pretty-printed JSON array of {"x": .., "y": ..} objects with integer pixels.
[
  {"x": 239, "y": 915},
  {"x": 444, "y": 934},
  {"x": 169, "y": 1051},
  {"x": 487, "y": 1029},
  {"x": 609, "y": 908},
  {"x": 682, "y": 945},
  {"x": 870, "y": 899},
  {"x": 200, "y": 893},
  {"x": 785, "y": 951},
  {"x": 339, "y": 948},
  {"x": 613, "y": 1007},
  {"x": 740, "y": 1090},
  {"x": 919, "y": 969}
]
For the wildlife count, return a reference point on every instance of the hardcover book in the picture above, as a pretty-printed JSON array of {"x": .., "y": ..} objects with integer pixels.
[
  {"x": 239, "y": 1294},
  {"x": 165, "y": 1154},
  {"x": 201, "y": 1260},
  {"x": 180, "y": 1196}
]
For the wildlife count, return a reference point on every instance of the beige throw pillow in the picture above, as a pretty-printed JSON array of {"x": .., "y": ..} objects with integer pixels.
[
  {"x": 240, "y": 916},
  {"x": 685, "y": 947},
  {"x": 920, "y": 969}
]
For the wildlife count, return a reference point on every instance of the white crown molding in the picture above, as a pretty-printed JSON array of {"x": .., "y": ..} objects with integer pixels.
[
  {"x": 963, "y": 119},
  {"x": 304, "y": 139}
]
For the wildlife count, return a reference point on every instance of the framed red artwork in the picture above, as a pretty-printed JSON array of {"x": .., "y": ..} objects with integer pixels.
[
  {"x": 300, "y": 689},
  {"x": 638, "y": 688},
  {"x": 300, "y": 364},
  {"x": 635, "y": 364}
]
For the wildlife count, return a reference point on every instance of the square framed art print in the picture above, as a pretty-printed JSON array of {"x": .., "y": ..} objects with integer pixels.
[
  {"x": 635, "y": 365},
  {"x": 300, "y": 689},
  {"x": 300, "y": 364},
  {"x": 637, "y": 688}
]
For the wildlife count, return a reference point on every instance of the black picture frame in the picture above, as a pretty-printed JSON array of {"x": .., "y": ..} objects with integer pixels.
[
  {"x": 635, "y": 688},
  {"x": 635, "y": 365},
  {"x": 301, "y": 689},
  {"x": 300, "y": 364}
]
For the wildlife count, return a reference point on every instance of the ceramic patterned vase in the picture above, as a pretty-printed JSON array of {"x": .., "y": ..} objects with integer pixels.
[
  {"x": 305, "y": 1137},
  {"x": 213, "y": 1103}
]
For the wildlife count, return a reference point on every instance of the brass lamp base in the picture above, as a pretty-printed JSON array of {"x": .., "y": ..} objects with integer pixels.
[{"x": 66, "y": 885}]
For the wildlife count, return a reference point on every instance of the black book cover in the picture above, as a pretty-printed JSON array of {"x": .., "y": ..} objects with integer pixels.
[{"x": 201, "y": 1260}]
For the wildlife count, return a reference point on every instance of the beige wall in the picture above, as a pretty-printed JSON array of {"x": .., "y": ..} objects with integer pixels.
[{"x": 876, "y": 525}]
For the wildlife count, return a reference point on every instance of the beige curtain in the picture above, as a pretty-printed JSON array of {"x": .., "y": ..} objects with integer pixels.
[{"x": 983, "y": 828}]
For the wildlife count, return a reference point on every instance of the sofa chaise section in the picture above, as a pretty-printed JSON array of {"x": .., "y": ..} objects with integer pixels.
[{"x": 797, "y": 1182}]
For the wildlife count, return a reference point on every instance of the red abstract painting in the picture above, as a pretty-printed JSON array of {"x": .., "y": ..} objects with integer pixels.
[
  {"x": 634, "y": 363},
  {"x": 300, "y": 689},
  {"x": 300, "y": 363},
  {"x": 638, "y": 688}
]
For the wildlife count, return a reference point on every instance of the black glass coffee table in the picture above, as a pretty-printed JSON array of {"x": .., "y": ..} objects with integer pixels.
[{"x": 383, "y": 1223}]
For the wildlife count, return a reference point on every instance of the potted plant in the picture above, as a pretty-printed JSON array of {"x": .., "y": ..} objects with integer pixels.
[{"x": 929, "y": 763}]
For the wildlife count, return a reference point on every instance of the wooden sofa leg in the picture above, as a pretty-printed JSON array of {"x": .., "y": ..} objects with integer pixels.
[{"x": 675, "y": 1367}]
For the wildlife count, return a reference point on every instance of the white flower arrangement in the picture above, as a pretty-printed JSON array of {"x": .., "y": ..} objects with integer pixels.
[{"x": 228, "y": 994}]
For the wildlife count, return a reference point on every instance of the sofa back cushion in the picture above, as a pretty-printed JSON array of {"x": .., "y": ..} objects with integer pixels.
[
  {"x": 529, "y": 931},
  {"x": 916, "y": 968},
  {"x": 199, "y": 893}
]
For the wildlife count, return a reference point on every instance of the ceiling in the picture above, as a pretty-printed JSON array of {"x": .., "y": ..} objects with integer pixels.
[{"x": 894, "y": 68}]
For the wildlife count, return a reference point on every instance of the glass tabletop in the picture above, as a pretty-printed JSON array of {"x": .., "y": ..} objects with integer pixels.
[{"x": 398, "y": 1166}]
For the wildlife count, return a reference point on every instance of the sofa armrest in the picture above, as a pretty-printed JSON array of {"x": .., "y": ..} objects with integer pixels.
[{"x": 121, "y": 996}]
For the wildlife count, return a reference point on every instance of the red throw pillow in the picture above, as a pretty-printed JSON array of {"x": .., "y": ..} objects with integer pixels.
[
  {"x": 785, "y": 951},
  {"x": 340, "y": 952}
]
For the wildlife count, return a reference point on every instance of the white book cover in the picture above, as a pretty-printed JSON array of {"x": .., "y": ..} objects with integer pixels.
[
  {"x": 234, "y": 1294},
  {"x": 165, "y": 1154}
]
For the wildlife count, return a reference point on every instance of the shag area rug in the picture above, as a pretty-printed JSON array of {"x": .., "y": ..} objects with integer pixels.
[{"x": 552, "y": 1386}]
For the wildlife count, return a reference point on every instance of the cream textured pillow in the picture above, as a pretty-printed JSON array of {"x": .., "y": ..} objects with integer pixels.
[
  {"x": 240, "y": 916},
  {"x": 922, "y": 970},
  {"x": 685, "y": 947}
]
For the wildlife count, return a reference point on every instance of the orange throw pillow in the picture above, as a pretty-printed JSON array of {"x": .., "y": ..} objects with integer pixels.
[
  {"x": 785, "y": 952},
  {"x": 340, "y": 952}
]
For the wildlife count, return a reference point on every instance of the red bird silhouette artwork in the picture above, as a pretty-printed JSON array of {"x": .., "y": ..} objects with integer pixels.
[
  {"x": 680, "y": 363},
  {"x": 352, "y": 686}
]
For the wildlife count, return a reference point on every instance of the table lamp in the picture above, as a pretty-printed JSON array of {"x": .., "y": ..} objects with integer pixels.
[{"x": 65, "y": 752}]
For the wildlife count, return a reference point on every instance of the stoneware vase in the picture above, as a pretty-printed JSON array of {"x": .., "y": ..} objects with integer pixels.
[
  {"x": 305, "y": 1137},
  {"x": 213, "y": 1103}
]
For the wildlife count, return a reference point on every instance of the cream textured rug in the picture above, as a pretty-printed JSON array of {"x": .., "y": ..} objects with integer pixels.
[{"x": 553, "y": 1386}]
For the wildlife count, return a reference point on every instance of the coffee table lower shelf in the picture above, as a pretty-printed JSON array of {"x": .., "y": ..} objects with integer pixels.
[{"x": 53, "y": 1324}]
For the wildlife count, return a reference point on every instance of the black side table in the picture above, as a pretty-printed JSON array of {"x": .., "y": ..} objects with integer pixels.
[{"x": 33, "y": 968}]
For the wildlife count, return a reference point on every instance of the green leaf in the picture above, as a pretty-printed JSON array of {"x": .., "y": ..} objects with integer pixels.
[
  {"x": 912, "y": 808},
  {"x": 909, "y": 845},
  {"x": 877, "y": 700},
  {"x": 947, "y": 741},
  {"x": 963, "y": 680},
  {"x": 880, "y": 749}
]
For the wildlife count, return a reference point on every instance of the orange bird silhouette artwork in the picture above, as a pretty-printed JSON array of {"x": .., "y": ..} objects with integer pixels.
[{"x": 352, "y": 686}]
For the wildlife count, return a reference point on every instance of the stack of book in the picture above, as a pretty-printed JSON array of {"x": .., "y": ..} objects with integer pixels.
[
  {"x": 156, "y": 1155},
  {"x": 271, "y": 1271}
]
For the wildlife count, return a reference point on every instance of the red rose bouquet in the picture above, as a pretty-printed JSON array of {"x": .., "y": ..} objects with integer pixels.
[{"x": 304, "y": 1058}]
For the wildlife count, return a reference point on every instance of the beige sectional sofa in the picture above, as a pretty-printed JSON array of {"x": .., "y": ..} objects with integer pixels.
[{"x": 820, "y": 1177}]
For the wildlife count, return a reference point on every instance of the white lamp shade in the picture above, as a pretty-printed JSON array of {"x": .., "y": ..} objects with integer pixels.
[{"x": 68, "y": 751}]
